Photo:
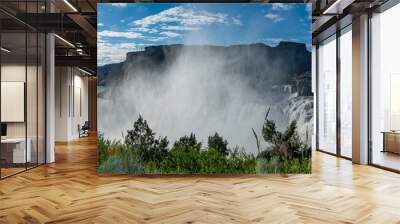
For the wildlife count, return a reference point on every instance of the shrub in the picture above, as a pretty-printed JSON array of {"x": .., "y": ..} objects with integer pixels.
[
  {"x": 284, "y": 144},
  {"x": 152, "y": 167},
  {"x": 132, "y": 162},
  {"x": 115, "y": 157},
  {"x": 264, "y": 166},
  {"x": 275, "y": 165},
  {"x": 286, "y": 152},
  {"x": 101, "y": 149},
  {"x": 181, "y": 161},
  {"x": 113, "y": 164},
  {"x": 241, "y": 162},
  {"x": 296, "y": 166},
  {"x": 106, "y": 148},
  {"x": 213, "y": 161},
  {"x": 142, "y": 153}
]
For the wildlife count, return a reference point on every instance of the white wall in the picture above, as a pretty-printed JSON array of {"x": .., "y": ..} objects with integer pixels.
[
  {"x": 70, "y": 82},
  {"x": 61, "y": 103},
  {"x": 79, "y": 117}
]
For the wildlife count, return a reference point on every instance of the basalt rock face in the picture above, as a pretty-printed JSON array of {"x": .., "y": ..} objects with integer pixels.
[{"x": 261, "y": 65}]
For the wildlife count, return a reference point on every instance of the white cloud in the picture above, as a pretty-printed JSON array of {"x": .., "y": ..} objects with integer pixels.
[
  {"x": 281, "y": 6},
  {"x": 156, "y": 39},
  {"x": 108, "y": 53},
  {"x": 169, "y": 15},
  {"x": 144, "y": 29},
  {"x": 100, "y": 40},
  {"x": 274, "y": 17},
  {"x": 121, "y": 5},
  {"x": 100, "y": 24},
  {"x": 237, "y": 21},
  {"x": 171, "y": 22},
  {"x": 170, "y": 34},
  {"x": 185, "y": 17},
  {"x": 129, "y": 35},
  {"x": 178, "y": 28}
]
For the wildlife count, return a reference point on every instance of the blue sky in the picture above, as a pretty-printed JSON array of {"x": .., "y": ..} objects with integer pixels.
[{"x": 126, "y": 27}]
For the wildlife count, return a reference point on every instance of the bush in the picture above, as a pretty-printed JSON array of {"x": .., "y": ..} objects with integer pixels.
[
  {"x": 275, "y": 165},
  {"x": 101, "y": 149},
  {"x": 106, "y": 148},
  {"x": 241, "y": 162},
  {"x": 212, "y": 161},
  {"x": 180, "y": 160},
  {"x": 296, "y": 166},
  {"x": 113, "y": 164},
  {"x": 265, "y": 166},
  {"x": 115, "y": 157},
  {"x": 132, "y": 162},
  {"x": 141, "y": 152}
]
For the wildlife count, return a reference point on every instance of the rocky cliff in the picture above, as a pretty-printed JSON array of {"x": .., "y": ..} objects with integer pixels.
[{"x": 260, "y": 64}]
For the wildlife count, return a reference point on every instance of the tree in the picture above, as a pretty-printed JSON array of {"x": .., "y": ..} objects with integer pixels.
[
  {"x": 187, "y": 143},
  {"x": 142, "y": 138},
  {"x": 159, "y": 149},
  {"x": 141, "y": 135},
  {"x": 218, "y": 143}
]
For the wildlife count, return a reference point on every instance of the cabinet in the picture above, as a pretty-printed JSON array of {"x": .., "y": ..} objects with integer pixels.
[{"x": 391, "y": 142}]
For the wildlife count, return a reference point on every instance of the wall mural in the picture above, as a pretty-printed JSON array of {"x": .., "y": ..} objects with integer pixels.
[{"x": 204, "y": 88}]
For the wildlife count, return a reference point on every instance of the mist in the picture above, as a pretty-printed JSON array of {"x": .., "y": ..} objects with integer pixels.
[{"x": 196, "y": 92}]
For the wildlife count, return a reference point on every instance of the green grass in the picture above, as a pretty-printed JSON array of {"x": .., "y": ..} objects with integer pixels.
[{"x": 275, "y": 166}]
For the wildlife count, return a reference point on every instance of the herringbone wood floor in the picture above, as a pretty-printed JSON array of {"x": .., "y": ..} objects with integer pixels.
[{"x": 70, "y": 191}]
